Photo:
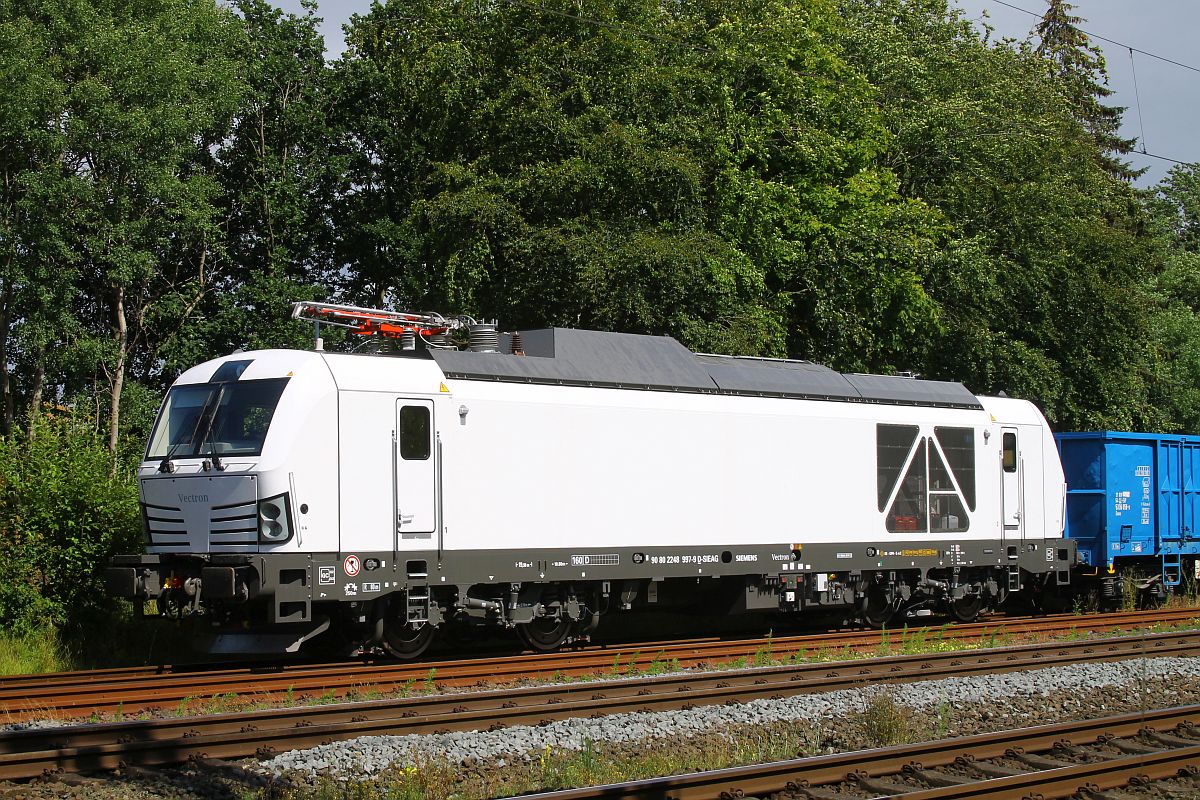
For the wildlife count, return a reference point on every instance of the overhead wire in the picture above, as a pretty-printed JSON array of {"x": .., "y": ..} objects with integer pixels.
[
  {"x": 1103, "y": 38},
  {"x": 1137, "y": 96},
  {"x": 1133, "y": 69}
]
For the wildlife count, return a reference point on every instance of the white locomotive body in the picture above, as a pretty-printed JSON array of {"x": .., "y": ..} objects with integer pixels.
[{"x": 287, "y": 492}]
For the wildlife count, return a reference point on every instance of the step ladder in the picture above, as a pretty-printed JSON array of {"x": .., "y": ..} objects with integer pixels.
[
  {"x": 417, "y": 604},
  {"x": 1014, "y": 578},
  {"x": 1172, "y": 569}
]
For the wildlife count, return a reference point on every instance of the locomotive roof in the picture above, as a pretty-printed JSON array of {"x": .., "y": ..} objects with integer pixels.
[{"x": 632, "y": 361}]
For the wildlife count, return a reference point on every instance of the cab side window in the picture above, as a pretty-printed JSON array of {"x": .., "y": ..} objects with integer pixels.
[
  {"x": 1010, "y": 452},
  {"x": 414, "y": 433}
]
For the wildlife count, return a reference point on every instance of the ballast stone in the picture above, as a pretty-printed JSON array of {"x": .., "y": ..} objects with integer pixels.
[{"x": 370, "y": 755}]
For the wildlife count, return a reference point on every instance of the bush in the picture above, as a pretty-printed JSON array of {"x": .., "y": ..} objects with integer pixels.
[{"x": 65, "y": 509}]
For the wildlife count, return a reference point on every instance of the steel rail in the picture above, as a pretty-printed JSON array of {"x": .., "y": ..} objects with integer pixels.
[
  {"x": 794, "y": 776},
  {"x": 135, "y": 690},
  {"x": 29, "y": 753}
]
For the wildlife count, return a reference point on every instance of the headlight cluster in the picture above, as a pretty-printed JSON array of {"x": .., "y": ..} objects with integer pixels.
[{"x": 274, "y": 519}]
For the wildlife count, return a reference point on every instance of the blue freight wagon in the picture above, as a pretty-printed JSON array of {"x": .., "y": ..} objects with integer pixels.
[{"x": 1133, "y": 502}]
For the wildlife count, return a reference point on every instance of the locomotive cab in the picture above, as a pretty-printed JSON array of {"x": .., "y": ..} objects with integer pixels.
[{"x": 237, "y": 486}]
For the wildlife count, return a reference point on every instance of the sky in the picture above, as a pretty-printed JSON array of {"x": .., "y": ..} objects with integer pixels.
[
  {"x": 1163, "y": 113},
  {"x": 1168, "y": 95}
]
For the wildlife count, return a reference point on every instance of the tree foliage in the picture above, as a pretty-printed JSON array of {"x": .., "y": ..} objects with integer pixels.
[
  {"x": 1043, "y": 262},
  {"x": 1081, "y": 75}
]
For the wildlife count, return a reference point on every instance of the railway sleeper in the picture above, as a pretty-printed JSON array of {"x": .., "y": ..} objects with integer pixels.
[
  {"x": 1169, "y": 739},
  {"x": 1036, "y": 761},
  {"x": 814, "y": 793},
  {"x": 863, "y": 780},
  {"x": 1133, "y": 747},
  {"x": 935, "y": 777},
  {"x": 988, "y": 769}
]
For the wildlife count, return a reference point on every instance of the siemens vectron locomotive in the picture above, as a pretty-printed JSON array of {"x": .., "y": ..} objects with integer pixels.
[{"x": 540, "y": 480}]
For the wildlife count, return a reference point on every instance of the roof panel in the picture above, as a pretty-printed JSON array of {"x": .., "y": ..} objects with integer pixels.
[
  {"x": 766, "y": 376},
  {"x": 586, "y": 357},
  {"x": 595, "y": 358},
  {"x": 909, "y": 391}
]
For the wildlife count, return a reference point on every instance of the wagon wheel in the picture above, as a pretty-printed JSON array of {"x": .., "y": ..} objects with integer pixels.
[
  {"x": 1152, "y": 597},
  {"x": 405, "y": 641},
  {"x": 545, "y": 634},
  {"x": 967, "y": 607}
]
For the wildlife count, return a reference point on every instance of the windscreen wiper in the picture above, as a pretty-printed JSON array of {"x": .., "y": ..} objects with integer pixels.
[
  {"x": 166, "y": 465},
  {"x": 212, "y": 418}
]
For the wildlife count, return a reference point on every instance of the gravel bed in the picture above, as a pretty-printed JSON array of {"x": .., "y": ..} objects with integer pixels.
[
  {"x": 810, "y": 724},
  {"x": 370, "y": 755}
]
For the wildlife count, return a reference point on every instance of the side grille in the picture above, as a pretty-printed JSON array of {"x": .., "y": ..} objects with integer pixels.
[
  {"x": 233, "y": 524},
  {"x": 165, "y": 524}
]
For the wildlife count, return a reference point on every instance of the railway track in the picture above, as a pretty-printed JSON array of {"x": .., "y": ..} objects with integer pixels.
[
  {"x": 136, "y": 690},
  {"x": 86, "y": 748},
  {"x": 1049, "y": 761}
]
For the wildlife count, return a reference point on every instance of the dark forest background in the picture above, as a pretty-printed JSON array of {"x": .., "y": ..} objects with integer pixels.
[{"x": 872, "y": 184}]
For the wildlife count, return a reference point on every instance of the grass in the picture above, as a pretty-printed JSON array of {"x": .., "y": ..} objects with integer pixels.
[
  {"x": 36, "y": 652},
  {"x": 117, "y": 640}
]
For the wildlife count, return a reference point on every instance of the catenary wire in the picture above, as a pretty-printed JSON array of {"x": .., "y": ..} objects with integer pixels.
[
  {"x": 1137, "y": 96},
  {"x": 1104, "y": 38}
]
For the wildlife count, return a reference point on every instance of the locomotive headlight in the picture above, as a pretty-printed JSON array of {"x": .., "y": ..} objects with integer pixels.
[{"x": 274, "y": 520}]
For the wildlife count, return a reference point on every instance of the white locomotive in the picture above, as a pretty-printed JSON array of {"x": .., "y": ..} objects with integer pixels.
[{"x": 542, "y": 479}]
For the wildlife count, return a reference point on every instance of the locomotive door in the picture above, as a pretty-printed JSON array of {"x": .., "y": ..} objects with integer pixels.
[
  {"x": 1011, "y": 478},
  {"x": 414, "y": 468}
]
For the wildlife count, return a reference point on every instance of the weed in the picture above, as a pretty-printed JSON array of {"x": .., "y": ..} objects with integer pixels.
[
  {"x": 884, "y": 648},
  {"x": 941, "y": 727},
  {"x": 1131, "y": 593},
  {"x": 428, "y": 686},
  {"x": 185, "y": 706},
  {"x": 765, "y": 655},
  {"x": 657, "y": 666},
  {"x": 885, "y": 722},
  {"x": 221, "y": 703}
]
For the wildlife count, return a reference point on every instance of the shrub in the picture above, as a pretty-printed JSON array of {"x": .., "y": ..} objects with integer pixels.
[{"x": 64, "y": 511}]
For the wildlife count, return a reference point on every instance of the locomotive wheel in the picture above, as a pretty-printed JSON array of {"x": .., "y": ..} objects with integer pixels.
[
  {"x": 402, "y": 641},
  {"x": 877, "y": 612},
  {"x": 545, "y": 634},
  {"x": 967, "y": 608}
]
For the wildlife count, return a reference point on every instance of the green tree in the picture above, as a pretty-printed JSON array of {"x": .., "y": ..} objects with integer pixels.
[
  {"x": 1079, "y": 68},
  {"x": 63, "y": 513},
  {"x": 1043, "y": 257},
  {"x": 1175, "y": 209},
  {"x": 701, "y": 170},
  {"x": 279, "y": 173},
  {"x": 116, "y": 203}
]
